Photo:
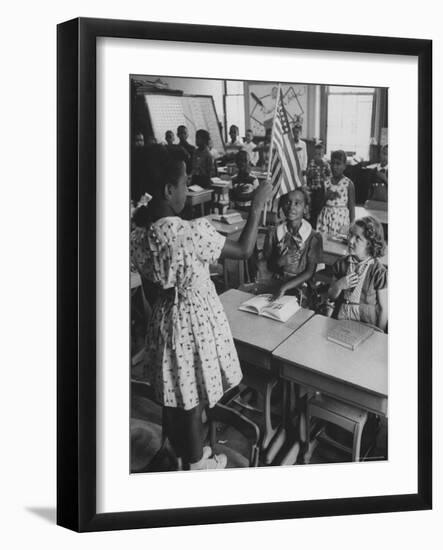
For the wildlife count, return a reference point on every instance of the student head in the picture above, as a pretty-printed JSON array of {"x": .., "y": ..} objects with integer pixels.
[
  {"x": 166, "y": 174},
  {"x": 169, "y": 137},
  {"x": 366, "y": 238},
  {"x": 318, "y": 152},
  {"x": 242, "y": 161},
  {"x": 384, "y": 155},
  {"x": 249, "y": 136},
  {"x": 294, "y": 205},
  {"x": 139, "y": 140},
  {"x": 182, "y": 133},
  {"x": 233, "y": 132},
  {"x": 338, "y": 163},
  {"x": 202, "y": 139},
  {"x": 296, "y": 130}
]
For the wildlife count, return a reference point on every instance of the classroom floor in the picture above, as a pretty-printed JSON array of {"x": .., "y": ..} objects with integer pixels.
[{"x": 146, "y": 440}]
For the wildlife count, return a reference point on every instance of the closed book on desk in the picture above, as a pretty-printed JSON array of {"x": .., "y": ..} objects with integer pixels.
[
  {"x": 196, "y": 189},
  {"x": 349, "y": 334},
  {"x": 279, "y": 310},
  {"x": 230, "y": 219}
]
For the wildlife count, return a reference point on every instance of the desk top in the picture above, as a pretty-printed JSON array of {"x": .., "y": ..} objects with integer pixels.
[
  {"x": 201, "y": 196},
  {"x": 380, "y": 215},
  {"x": 257, "y": 331},
  {"x": 335, "y": 249},
  {"x": 366, "y": 367},
  {"x": 226, "y": 228}
]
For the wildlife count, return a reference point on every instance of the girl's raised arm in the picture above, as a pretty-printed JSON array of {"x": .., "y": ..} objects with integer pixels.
[{"x": 244, "y": 247}]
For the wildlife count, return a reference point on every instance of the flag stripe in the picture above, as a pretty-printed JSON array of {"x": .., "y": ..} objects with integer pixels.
[{"x": 284, "y": 163}]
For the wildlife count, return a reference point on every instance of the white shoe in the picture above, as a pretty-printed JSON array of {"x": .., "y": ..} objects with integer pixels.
[{"x": 216, "y": 462}]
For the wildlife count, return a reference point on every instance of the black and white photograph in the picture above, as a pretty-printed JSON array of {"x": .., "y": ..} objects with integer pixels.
[{"x": 258, "y": 230}]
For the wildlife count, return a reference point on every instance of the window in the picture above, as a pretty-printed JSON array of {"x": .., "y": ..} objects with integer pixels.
[
  {"x": 350, "y": 113},
  {"x": 234, "y": 106}
]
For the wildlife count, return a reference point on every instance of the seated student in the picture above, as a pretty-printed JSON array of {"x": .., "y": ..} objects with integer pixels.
[
  {"x": 251, "y": 148},
  {"x": 234, "y": 135},
  {"x": 182, "y": 134},
  {"x": 317, "y": 173},
  {"x": 378, "y": 190},
  {"x": 169, "y": 137},
  {"x": 360, "y": 281},
  {"x": 292, "y": 248},
  {"x": 203, "y": 165},
  {"x": 243, "y": 184}
]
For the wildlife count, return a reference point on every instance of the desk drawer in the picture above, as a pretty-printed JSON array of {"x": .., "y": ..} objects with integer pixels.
[{"x": 371, "y": 402}]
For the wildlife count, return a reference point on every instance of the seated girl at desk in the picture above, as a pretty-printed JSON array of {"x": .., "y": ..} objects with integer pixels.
[
  {"x": 203, "y": 164},
  {"x": 379, "y": 186},
  {"x": 293, "y": 249},
  {"x": 339, "y": 201},
  {"x": 360, "y": 281},
  {"x": 191, "y": 360}
]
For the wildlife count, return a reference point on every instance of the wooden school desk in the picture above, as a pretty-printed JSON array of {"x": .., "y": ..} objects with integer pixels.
[
  {"x": 239, "y": 267},
  {"x": 256, "y": 338},
  {"x": 197, "y": 199},
  {"x": 358, "y": 377},
  {"x": 334, "y": 249},
  {"x": 380, "y": 214}
]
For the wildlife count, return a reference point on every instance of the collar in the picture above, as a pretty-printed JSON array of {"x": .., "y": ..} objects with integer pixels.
[{"x": 304, "y": 230}]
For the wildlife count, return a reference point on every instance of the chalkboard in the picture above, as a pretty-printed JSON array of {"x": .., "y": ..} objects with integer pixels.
[{"x": 195, "y": 112}]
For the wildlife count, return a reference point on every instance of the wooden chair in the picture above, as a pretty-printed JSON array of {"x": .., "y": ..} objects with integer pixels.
[
  {"x": 226, "y": 424},
  {"x": 348, "y": 417}
]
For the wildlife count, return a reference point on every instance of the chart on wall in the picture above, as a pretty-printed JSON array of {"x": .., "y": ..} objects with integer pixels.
[
  {"x": 261, "y": 99},
  {"x": 195, "y": 112}
]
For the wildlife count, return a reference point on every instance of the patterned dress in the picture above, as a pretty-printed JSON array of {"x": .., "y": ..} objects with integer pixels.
[
  {"x": 190, "y": 353},
  {"x": 335, "y": 214}
]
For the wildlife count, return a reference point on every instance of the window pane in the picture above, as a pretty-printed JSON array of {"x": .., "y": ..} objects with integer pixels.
[
  {"x": 349, "y": 124},
  {"x": 234, "y": 87},
  {"x": 350, "y": 90},
  {"x": 235, "y": 112}
]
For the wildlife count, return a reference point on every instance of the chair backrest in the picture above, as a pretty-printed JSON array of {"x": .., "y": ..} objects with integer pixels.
[{"x": 234, "y": 419}]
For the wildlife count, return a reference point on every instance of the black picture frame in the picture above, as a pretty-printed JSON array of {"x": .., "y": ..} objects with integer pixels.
[{"x": 76, "y": 279}]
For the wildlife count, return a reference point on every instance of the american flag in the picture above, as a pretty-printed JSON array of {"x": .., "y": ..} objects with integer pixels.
[{"x": 285, "y": 171}]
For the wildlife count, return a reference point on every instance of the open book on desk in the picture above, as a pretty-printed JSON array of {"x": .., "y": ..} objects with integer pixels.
[{"x": 280, "y": 310}]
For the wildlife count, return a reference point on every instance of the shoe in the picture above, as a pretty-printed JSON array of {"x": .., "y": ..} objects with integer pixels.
[{"x": 216, "y": 462}]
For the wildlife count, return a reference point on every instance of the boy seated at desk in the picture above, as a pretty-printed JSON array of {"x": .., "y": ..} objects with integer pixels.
[
  {"x": 293, "y": 249},
  {"x": 243, "y": 184}
]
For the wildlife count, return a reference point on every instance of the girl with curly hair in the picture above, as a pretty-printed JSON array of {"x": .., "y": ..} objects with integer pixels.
[{"x": 360, "y": 280}]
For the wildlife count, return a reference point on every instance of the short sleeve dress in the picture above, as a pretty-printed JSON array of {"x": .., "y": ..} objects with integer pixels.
[
  {"x": 335, "y": 214},
  {"x": 360, "y": 303},
  {"x": 190, "y": 353}
]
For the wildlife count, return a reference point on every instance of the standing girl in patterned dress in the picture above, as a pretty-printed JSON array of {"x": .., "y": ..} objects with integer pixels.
[
  {"x": 338, "y": 211},
  {"x": 360, "y": 279},
  {"x": 191, "y": 359}
]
